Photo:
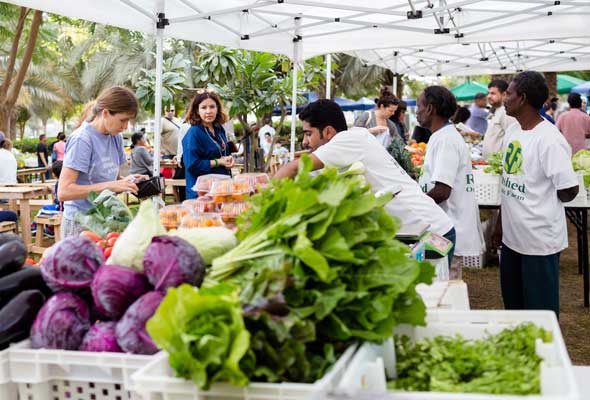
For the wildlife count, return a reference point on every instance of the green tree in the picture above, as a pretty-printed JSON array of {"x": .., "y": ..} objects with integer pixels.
[{"x": 22, "y": 116}]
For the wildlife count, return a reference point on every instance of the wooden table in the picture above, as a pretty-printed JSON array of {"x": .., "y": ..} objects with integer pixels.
[
  {"x": 32, "y": 171},
  {"x": 168, "y": 164},
  {"x": 24, "y": 193},
  {"x": 176, "y": 185}
]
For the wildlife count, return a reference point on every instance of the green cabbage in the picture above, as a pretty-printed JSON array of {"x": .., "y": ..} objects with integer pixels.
[
  {"x": 210, "y": 242},
  {"x": 581, "y": 162}
]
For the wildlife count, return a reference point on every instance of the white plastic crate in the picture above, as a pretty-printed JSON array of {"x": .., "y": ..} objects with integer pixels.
[
  {"x": 43, "y": 374},
  {"x": 157, "y": 381},
  {"x": 474, "y": 261},
  {"x": 7, "y": 388},
  {"x": 372, "y": 364},
  {"x": 487, "y": 188},
  {"x": 444, "y": 295}
]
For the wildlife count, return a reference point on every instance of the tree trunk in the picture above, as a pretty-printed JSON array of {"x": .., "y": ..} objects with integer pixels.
[
  {"x": 551, "y": 78},
  {"x": 10, "y": 95}
]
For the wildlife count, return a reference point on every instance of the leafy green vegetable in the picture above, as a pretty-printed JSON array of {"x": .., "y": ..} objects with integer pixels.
[
  {"x": 108, "y": 214},
  {"x": 210, "y": 242},
  {"x": 346, "y": 268},
  {"x": 204, "y": 333},
  {"x": 495, "y": 163},
  {"x": 505, "y": 363},
  {"x": 581, "y": 162}
]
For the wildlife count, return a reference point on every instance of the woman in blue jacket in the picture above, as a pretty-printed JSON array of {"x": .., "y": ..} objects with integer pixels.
[{"x": 205, "y": 145}]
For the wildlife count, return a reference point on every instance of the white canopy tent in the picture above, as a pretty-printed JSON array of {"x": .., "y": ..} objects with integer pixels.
[
  {"x": 483, "y": 58},
  {"x": 305, "y": 28}
]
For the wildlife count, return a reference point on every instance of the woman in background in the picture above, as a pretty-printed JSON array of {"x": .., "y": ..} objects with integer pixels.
[{"x": 377, "y": 121}]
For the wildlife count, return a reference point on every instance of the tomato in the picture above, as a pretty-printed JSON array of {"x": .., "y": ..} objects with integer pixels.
[
  {"x": 102, "y": 244},
  {"x": 30, "y": 261},
  {"x": 107, "y": 252},
  {"x": 113, "y": 235},
  {"x": 91, "y": 235},
  {"x": 111, "y": 242}
]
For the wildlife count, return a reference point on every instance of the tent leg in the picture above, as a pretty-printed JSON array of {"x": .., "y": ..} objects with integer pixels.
[
  {"x": 296, "y": 55},
  {"x": 158, "y": 102},
  {"x": 328, "y": 76}
]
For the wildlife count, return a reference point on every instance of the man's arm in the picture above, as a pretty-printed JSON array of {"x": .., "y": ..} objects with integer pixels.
[
  {"x": 290, "y": 169},
  {"x": 440, "y": 192},
  {"x": 568, "y": 194}
]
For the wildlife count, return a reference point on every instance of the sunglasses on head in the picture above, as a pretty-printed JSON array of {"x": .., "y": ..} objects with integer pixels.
[{"x": 205, "y": 90}]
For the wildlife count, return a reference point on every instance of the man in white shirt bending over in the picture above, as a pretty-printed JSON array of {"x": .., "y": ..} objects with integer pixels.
[
  {"x": 325, "y": 134},
  {"x": 447, "y": 176},
  {"x": 537, "y": 179}
]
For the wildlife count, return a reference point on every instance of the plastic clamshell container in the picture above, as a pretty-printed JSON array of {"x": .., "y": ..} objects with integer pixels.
[
  {"x": 171, "y": 216},
  {"x": 158, "y": 382},
  {"x": 228, "y": 191},
  {"x": 8, "y": 390},
  {"x": 256, "y": 180},
  {"x": 201, "y": 220},
  {"x": 201, "y": 204},
  {"x": 204, "y": 182},
  {"x": 230, "y": 211},
  {"x": 47, "y": 374},
  {"x": 373, "y": 363}
]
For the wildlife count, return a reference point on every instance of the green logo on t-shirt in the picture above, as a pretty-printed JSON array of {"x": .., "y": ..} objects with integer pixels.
[{"x": 513, "y": 158}]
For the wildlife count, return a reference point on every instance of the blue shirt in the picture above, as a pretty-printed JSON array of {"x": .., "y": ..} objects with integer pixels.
[
  {"x": 546, "y": 116},
  {"x": 199, "y": 148},
  {"x": 97, "y": 158},
  {"x": 479, "y": 119}
]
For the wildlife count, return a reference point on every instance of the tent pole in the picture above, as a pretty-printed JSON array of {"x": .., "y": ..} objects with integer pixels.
[
  {"x": 328, "y": 76},
  {"x": 162, "y": 22},
  {"x": 296, "y": 56}
]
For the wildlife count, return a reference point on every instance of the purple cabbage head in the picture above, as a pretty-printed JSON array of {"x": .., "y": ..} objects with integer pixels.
[
  {"x": 131, "y": 333},
  {"x": 71, "y": 263},
  {"x": 101, "y": 337},
  {"x": 170, "y": 261},
  {"x": 115, "y": 288},
  {"x": 61, "y": 323}
]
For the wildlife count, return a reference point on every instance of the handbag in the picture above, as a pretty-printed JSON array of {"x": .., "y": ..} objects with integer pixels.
[{"x": 150, "y": 187}]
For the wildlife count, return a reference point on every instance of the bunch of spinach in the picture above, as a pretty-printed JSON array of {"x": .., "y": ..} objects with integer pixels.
[
  {"x": 505, "y": 363},
  {"x": 107, "y": 214}
]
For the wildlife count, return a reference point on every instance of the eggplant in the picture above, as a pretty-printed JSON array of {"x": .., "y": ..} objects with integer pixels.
[
  {"x": 17, "y": 317},
  {"x": 13, "y": 254},
  {"x": 27, "y": 278}
]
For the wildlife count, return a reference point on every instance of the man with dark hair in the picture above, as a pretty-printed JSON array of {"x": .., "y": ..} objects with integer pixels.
[
  {"x": 575, "y": 123},
  {"x": 446, "y": 175},
  {"x": 498, "y": 121},
  {"x": 325, "y": 134},
  {"x": 42, "y": 160},
  {"x": 537, "y": 179},
  {"x": 479, "y": 114}
]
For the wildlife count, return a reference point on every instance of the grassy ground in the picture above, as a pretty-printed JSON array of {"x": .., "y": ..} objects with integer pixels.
[{"x": 484, "y": 293}]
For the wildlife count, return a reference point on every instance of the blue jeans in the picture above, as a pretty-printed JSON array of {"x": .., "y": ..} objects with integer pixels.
[{"x": 452, "y": 236}]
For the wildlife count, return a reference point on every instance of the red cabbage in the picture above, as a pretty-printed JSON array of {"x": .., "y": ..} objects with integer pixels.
[
  {"x": 61, "y": 323},
  {"x": 170, "y": 261},
  {"x": 115, "y": 288},
  {"x": 71, "y": 263},
  {"x": 101, "y": 337},
  {"x": 131, "y": 333}
]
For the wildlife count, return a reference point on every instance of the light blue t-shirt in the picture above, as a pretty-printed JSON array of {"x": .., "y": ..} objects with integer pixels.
[{"x": 96, "y": 157}]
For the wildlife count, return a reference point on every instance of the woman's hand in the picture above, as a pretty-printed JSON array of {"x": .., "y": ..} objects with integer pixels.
[
  {"x": 227, "y": 162},
  {"x": 123, "y": 185},
  {"x": 136, "y": 178}
]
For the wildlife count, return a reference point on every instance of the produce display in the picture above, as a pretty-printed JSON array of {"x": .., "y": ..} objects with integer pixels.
[
  {"x": 505, "y": 363},
  {"x": 202, "y": 220},
  {"x": 171, "y": 216},
  {"x": 495, "y": 164},
  {"x": 204, "y": 183},
  {"x": 108, "y": 214},
  {"x": 317, "y": 268},
  {"x": 418, "y": 150}
]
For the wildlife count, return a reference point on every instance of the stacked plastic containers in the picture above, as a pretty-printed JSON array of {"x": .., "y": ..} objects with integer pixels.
[{"x": 221, "y": 200}]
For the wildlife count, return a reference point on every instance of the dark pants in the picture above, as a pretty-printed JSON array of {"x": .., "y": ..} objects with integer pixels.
[
  {"x": 529, "y": 282},
  {"x": 452, "y": 236},
  {"x": 8, "y": 216},
  {"x": 47, "y": 173},
  {"x": 179, "y": 173}
]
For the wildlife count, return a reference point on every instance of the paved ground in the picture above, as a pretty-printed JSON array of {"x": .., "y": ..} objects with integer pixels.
[{"x": 484, "y": 293}]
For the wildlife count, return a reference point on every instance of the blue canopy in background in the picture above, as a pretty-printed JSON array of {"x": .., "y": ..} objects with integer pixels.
[
  {"x": 583, "y": 88},
  {"x": 362, "y": 104}
]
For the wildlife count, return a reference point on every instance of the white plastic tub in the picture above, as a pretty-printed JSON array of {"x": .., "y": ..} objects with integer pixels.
[
  {"x": 7, "y": 388},
  {"x": 157, "y": 381},
  {"x": 487, "y": 188},
  {"x": 373, "y": 363},
  {"x": 42, "y": 374}
]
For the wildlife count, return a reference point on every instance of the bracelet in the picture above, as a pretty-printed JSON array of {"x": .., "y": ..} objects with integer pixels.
[{"x": 216, "y": 163}]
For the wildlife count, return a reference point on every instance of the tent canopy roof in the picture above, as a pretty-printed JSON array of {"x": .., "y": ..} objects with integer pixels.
[
  {"x": 468, "y": 90},
  {"x": 565, "y": 83},
  {"x": 333, "y": 26},
  {"x": 583, "y": 88}
]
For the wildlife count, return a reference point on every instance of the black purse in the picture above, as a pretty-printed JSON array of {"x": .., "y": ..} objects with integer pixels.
[{"x": 150, "y": 187}]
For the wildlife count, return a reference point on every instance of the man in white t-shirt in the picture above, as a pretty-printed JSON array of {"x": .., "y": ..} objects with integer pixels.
[
  {"x": 498, "y": 121},
  {"x": 325, "y": 134},
  {"x": 537, "y": 179},
  {"x": 447, "y": 176},
  {"x": 267, "y": 128}
]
